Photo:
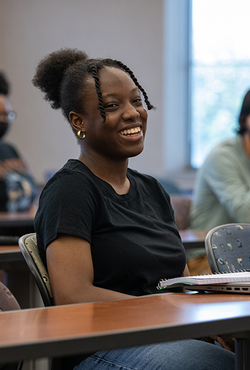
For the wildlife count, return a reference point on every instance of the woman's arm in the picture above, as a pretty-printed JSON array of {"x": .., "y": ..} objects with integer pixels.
[{"x": 71, "y": 273}]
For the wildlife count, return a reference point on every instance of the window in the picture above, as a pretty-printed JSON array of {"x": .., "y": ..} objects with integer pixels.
[{"x": 219, "y": 71}]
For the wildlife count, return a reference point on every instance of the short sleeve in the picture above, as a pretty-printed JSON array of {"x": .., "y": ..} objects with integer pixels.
[{"x": 67, "y": 205}]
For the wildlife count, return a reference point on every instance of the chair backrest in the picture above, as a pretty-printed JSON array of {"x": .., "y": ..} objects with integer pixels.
[
  {"x": 28, "y": 245},
  {"x": 181, "y": 206},
  {"x": 228, "y": 247}
]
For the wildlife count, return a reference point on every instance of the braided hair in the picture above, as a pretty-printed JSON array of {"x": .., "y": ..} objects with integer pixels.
[
  {"x": 62, "y": 77},
  {"x": 94, "y": 71},
  {"x": 94, "y": 67}
]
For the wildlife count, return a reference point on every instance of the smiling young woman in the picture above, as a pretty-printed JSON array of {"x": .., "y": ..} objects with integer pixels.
[
  {"x": 105, "y": 231},
  {"x": 122, "y": 134}
]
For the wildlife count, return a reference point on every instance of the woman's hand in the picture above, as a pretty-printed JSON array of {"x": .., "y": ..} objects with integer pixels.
[{"x": 224, "y": 340}]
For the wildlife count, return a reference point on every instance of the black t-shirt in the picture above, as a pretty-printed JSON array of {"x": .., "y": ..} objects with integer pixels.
[{"x": 133, "y": 237}]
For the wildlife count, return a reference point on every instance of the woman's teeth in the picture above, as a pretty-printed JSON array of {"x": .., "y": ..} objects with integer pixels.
[{"x": 131, "y": 131}]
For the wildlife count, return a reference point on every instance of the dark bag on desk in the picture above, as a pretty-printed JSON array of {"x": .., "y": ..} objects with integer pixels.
[{"x": 17, "y": 192}]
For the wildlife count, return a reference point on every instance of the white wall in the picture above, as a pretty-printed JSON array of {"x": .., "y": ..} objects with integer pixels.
[{"x": 129, "y": 30}]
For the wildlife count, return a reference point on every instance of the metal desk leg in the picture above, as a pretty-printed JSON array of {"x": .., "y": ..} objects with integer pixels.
[{"x": 242, "y": 354}]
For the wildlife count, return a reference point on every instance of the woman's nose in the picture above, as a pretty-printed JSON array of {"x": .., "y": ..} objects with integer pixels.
[{"x": 130, "y": 112}]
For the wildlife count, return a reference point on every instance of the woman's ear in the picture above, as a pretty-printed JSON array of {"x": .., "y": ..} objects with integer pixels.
[{"x": 77, "y": 121}]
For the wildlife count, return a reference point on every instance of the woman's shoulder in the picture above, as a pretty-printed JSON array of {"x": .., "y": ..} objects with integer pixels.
[
  {"x": 73, "y": 178},
  {"x": 226, "y": 146},
  {"x": 70, "y": 172},
  {"x": 147, "y": 183},
  {"x": 69, "y": 190},
  {"x": 139, "y": 176},
  {"x": 225, "y": 152}
]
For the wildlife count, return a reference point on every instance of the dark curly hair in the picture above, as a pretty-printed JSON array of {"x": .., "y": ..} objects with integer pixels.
[
  {"x": 4, "y": 85},
  {"x": 61, "y": 76},
  {"x": 245, "y": 111}
]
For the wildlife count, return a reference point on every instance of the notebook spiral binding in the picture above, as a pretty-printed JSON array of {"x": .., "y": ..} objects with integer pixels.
[{"x": 160, "y": 287}]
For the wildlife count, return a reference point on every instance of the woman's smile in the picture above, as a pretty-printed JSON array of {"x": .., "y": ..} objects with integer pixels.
[{"x": 134, "y": 133}]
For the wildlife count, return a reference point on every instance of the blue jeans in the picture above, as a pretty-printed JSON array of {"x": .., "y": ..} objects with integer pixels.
[{"x": 180, "y": 355}]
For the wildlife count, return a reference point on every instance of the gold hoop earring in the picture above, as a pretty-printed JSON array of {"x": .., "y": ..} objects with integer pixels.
[{"x": 79, "y": 135}]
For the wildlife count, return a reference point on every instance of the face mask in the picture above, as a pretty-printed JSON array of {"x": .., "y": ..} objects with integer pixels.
[{"x": 4, "y": 126}]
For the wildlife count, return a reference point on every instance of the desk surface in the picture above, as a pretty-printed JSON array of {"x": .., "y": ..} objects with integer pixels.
[
  {"x": 16, "y": 219},
  {"x": 10, "y": 253},
  {"x": 85, "y": 328},
  {"x": 193, "y": 238}
]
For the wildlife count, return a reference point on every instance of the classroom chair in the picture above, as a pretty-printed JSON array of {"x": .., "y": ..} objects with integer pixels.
[
  {"x": 8, "y": 303},
  {"x": 28, "y": 245},
  {"x": 227, "y": 248}
]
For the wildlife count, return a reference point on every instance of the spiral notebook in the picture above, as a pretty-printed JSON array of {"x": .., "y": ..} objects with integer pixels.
[{"x": 234, "y": 282}]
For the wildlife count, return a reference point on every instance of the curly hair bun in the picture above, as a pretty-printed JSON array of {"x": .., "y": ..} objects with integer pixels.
[{"x": 50, "y": 73}]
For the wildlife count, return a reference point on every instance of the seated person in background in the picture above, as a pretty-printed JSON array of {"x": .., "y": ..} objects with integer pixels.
[
  {"x": 17, "y": 187},
  {"x": 105, "y": 231},
  {"x": 222, "y": 187}
]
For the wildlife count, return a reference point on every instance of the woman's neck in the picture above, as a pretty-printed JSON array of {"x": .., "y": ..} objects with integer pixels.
[{"x": 113, "y": 172}]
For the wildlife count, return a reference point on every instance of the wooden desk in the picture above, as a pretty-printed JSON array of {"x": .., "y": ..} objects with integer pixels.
[
  {"x": 193, "y": 238},
  {"x": 10, "y": 253},
  {"x": 17, "y": 223},
  {"x": 86, "y": 328},
  {"x": 8, "y": 219}
]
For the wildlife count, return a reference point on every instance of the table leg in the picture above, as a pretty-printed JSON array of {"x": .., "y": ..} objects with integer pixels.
[{"x": 242, "y": 354}]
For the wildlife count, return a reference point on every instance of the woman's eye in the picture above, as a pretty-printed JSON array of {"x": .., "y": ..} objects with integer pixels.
[
  {"x": 111, "y": 105},
  {"x": 138, "y": 101}
]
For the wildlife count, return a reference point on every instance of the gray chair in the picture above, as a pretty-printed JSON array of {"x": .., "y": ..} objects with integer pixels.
[
  {"x": 28, "y": 245},
  {"x": 8, "y": 303},
  {"x": 228, "y": 248}
]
